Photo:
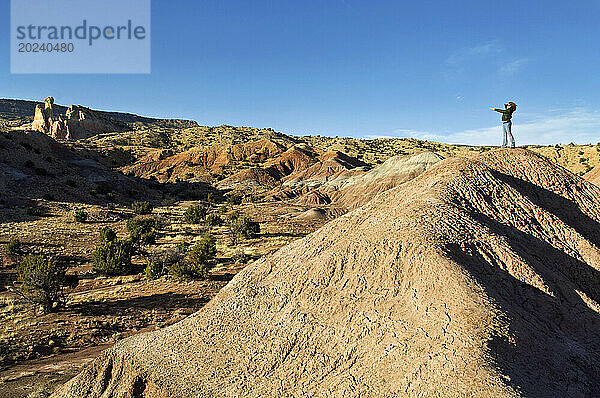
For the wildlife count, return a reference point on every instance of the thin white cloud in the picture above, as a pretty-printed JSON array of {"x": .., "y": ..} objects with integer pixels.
[
  {"x": 513, "y": 67},
  {"x": 491, "y": 55},
  {"x": 579, "y": 126},
  {"x": 466, "y": 54}
]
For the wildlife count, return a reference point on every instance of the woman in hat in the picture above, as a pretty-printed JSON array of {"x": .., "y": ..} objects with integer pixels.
[{"x": 507, "y": 112}]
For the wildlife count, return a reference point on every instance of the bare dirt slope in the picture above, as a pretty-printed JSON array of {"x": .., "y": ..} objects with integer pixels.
[
  {"x": 356, "y": 191},
  {"x": 480, "y": 277},
  {"x": 593, "y": 176}
]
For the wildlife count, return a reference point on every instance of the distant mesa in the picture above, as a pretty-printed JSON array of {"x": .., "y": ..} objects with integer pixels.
[{"x": 77, "y": 122}]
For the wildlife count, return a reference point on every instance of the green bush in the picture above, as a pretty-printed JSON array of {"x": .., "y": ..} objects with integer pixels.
[
  {"x": 242, "y": 227},
  {"x": 142, "y": 231},
  {"x": 234, "y": 199},
  {"x": 199, "y": 259},
  {"x": 80, "y": 215},
  {"x": 153, "y": 270},
  {"x": 194, "y": 214},
  {"x": 13, "y": 246},
  {"x": 179, "y": 270},
  {"x": 42, "y": 282},
  {"x": 113, "y": 258},
  {"x": 214, "y": 220},
  {"x": 107, "y": 234},
  {"x": 142, "y": 207}
]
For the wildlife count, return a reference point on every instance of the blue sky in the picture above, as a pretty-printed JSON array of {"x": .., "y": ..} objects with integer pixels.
[{"x": 425, "y": 69}]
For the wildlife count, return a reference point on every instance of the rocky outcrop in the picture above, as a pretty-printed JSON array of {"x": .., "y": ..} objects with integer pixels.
[
  {"x": 479, "y": 277},
  {"x": 78, "y": 122},
  {"x": 43, "y": 117}
]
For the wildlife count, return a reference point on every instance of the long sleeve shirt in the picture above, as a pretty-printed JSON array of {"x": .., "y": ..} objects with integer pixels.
[{"x": 506, "y": 114}]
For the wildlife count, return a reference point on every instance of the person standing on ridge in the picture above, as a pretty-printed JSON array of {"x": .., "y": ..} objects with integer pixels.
[{"x": 507, "y": 112}]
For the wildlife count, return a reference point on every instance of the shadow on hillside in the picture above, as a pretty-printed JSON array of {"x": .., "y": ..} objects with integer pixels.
[
  {"x": 58, "y": 172},
  {"x": 563, "y": 334},
  {"x": 566, "y": 210},
  {"x": 165, "y": 301}
]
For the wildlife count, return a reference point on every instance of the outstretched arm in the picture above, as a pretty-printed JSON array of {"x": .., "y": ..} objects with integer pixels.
[{"x": 499, "y": 110}]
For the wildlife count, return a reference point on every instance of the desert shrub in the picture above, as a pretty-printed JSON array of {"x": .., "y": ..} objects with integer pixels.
[
  {"x": 142, "y": 207},
  {"x": 142, "y": 231},
  {"x": 242, "y": 227},
  {"x": 199, "y": 259},
  {"x": 14, "y": 246},
  {"x": 214, "y": 220},
  {"x": 240, "y": 257},
  {"x": 41, "y": 281},
  {"x": 112, "y": 256},
  {"x": 234, "y": 199},
  {"x": 110, "y": 206},
  {"x": 107, "y": 234},
  {"x": 80, "y": 215},
  {"x": 178, "y": 270},
  {"x": 160, "y": 264},
  {"x": 194, "y": 214},
  {"x": 153, "y": 270}
]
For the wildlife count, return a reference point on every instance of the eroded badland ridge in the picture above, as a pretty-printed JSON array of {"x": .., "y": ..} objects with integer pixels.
[{"x": 388, "y": 267}]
